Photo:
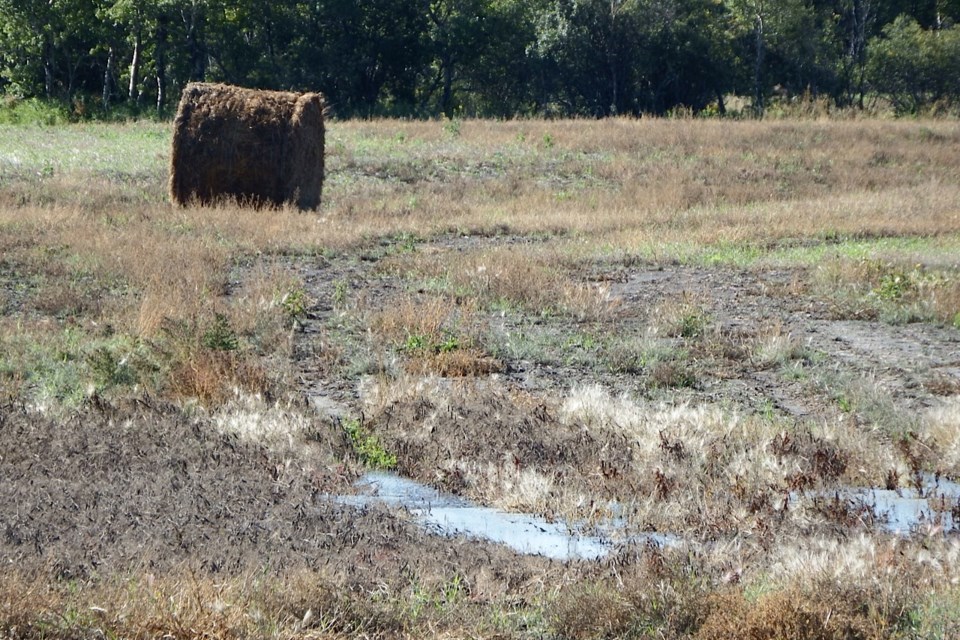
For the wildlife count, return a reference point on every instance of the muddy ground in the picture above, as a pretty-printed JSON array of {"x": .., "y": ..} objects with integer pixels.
[
  {"x": 144, "y": 490},
  {"x": 915, "y": 364},
  {"x": 146, "y": 486},
  {"x": 767, "y": 342}
]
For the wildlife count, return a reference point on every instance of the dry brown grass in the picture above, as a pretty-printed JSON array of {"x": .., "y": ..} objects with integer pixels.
[
  {"x": 436, "y": 335},
  {"x": 539, "y": 279},
  {"x": 203, "y": 303},
  {"x": 787, "y": 615},
  {"x": 618, "y": 185},
  {"x": 190, "y": 604},
  {"x": 183, "y": 605},
  {"x": 649, "y": 183}
]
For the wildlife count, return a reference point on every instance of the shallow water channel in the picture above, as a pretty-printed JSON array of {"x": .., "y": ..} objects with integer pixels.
[
  {"x": 449, "y": 515},
  {"x": 906, "y": 510},
  {"x": 899, "y": 511}
]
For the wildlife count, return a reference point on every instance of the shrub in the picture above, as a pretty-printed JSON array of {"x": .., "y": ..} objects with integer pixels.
[{"x": 916, "y": 68}]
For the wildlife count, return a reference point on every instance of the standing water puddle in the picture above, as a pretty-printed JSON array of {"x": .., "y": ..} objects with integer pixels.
[
  {"x": 904, "y": 511},
  {"x": 452, "y": 516},
  {"x": 901, "y": 511}
]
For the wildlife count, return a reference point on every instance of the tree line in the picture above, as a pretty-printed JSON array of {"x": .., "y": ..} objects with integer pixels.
[{"x": 497, "y": 58}]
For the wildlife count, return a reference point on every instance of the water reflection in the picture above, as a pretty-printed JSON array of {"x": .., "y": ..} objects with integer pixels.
[
  {"x": 936, "y": 506},
  {"x": 448, "y": 515}
]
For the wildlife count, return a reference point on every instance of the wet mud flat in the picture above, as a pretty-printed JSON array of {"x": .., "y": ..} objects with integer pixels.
[
  {"x": 932, "y": 509},
  {"x": 147, "y": 491}
]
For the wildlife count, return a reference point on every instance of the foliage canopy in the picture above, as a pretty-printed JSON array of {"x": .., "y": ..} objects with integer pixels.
[{"x": 497, "y": 58}]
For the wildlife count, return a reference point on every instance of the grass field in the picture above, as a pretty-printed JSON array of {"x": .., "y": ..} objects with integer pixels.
[{"x": 709, "y": 329}]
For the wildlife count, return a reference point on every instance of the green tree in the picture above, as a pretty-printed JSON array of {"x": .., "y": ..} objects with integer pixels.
[
  {"x": 686, "y": 55},
  {"x": 501, "y": 77},
  {"x": 46, "y": 45},
  {"x": 588, "y": 50},
  {"x": 916, "y": 67},
  {"x": 856, "y": 21},
  {"x": 366, "y": 56}
]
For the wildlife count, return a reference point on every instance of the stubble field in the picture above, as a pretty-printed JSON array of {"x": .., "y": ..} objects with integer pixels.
[{"x": 702, "y": 342}]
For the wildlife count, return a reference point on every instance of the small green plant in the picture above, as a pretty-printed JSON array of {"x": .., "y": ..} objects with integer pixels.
[
  {"x": 692, "y": 325},
  {"x": 416, "y": 342},
  {"x": 796, "y": 370},
  {"x": 447, "y": 342},
  {"x": 450, "y": 343},
  {"x": 845, "y": 403},
  {"x": 767, "y": 409},
  {"x": 221, "y": 336},
  {"x": 340, "y": 294},
  {"x": 439, "y": 599},
  {"x": 547, "y": 141},
  {"x": 368, "y": 447},
  {"x": 895, "y": 285},
  {"x": 294, "y": 304},
  {"x": 452, "y": 127},
  {"x": 407, "y": 242},
  {"x": 108, "y": 369}
]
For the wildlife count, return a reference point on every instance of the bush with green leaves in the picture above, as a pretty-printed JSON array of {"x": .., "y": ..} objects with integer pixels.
[
  {"x": 916, "y": 68},
  {"x": 367, "y": 446}
]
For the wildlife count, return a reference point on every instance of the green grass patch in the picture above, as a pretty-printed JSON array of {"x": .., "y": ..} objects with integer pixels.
[
  {"x": 112, "y": 150},
  {"x": 367, "y": 446},
  {"x": 60, "y": 370}
]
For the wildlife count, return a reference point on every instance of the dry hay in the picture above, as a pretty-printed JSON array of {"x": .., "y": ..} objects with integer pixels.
[{"x": 257, "y": 147}]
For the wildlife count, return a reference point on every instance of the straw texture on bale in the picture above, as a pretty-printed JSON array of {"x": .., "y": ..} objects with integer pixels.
[{"x": 262, "y": 148}]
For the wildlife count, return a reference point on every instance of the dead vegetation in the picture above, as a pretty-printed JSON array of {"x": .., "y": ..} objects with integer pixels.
[
  {"x": 257, "y": 147},
  {"x": 696, "y": 328}
]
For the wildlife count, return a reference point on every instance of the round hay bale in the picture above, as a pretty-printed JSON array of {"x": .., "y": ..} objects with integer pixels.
[{"x": 260, "y": 148}]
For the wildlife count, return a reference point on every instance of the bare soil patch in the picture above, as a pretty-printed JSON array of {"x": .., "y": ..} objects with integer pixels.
[
  {"x": 740, "y": 310},
  {"x": 146, "y": 490}
]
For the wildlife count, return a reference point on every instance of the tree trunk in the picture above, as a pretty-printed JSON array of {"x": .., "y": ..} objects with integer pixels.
[
  {"x": 446, "y": 99},
  {"x": 758, "y": 105},
  {"x": 614, "y": 109},
  {"x": 860, "y": 17},
  {"x": 612, "y": 40},
  {"x": 132, "y": 93},
  {"x": 108, "y": 78},
  {"x": 48, "y": 50},
  {"x": 194, "y": 23},
  {"x": 160, "y": 56},
  {"x": 721, "y": 106}
]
